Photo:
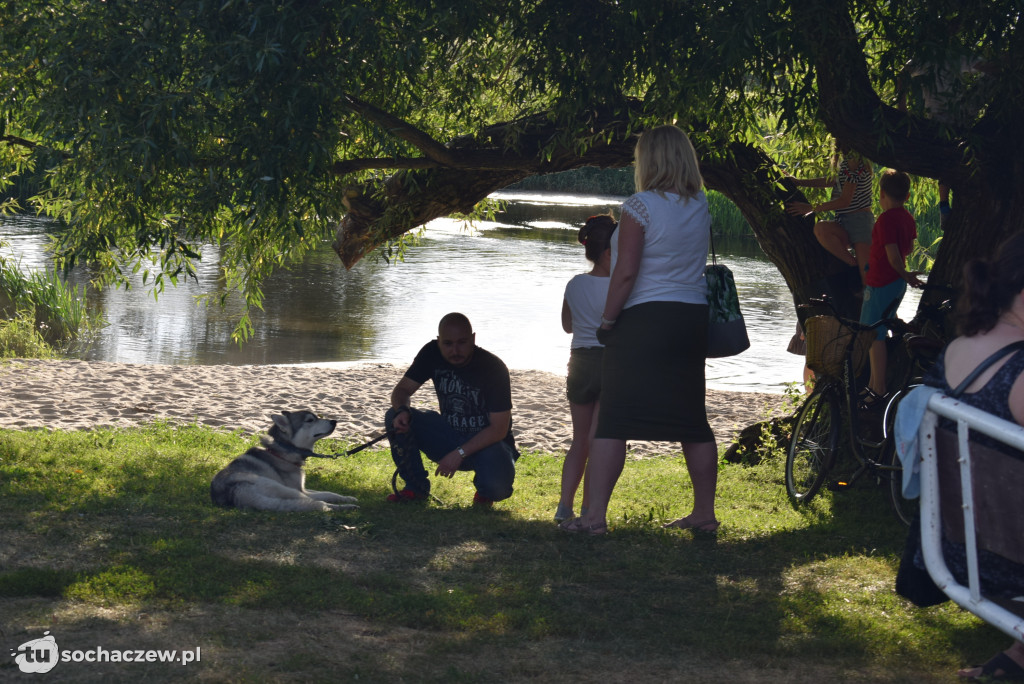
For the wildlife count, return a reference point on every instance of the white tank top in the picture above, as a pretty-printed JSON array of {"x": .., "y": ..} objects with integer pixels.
[{"x": 585, "y": 295}]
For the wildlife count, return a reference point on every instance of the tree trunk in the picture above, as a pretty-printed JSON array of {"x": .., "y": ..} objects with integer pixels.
[
  {"x": 982, "y": 163},
  {"x": 751, "y": 180}
]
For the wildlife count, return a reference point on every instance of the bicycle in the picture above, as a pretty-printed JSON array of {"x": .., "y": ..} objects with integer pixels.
[
  {"x": 922, "y": 346},
  {"x": 834, "y": 402}
]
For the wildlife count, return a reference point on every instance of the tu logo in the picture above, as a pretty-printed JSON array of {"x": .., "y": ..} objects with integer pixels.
[{"x": 38, "y": 655}]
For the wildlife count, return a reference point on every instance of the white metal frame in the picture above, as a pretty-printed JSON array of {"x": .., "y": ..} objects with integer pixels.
[{"x": 966, "y": 417}]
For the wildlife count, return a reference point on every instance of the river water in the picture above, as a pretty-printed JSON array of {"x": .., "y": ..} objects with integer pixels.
[{"x": 508, "y": 276}]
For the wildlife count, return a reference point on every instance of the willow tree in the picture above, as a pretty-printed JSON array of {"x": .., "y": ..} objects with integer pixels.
[{"x": 267, "y": 126}]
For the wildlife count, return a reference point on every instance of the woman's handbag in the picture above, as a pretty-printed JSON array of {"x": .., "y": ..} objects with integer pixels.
[
  {"x": 727, "y": 332},
  {"x": 913, "y": 582}
]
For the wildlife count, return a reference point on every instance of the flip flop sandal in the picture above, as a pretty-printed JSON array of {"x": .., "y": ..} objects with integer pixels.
[
  {"x": 1000, "y": 668},
  {"x": 563, "y": 513},
  {"x": 702, "y": 526},
  {"x": 869, "y": 399},
  {"x": 576, "y": 526}
]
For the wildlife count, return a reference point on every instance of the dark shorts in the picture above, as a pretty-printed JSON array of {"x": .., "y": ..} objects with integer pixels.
[
  {"x": 652, "y": 380},
  {"x": 858, "y": 225},
  {"x": 583, "y": 380}
]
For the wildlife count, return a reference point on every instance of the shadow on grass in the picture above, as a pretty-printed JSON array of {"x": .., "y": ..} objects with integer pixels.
[{"x": 124, "y": 518}]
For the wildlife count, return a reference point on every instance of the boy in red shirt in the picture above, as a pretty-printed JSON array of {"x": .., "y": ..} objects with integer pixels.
[{"x": 886, "y": 276}]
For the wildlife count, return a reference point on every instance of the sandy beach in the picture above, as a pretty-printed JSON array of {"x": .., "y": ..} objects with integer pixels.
[{"x": 80, "y": 395}]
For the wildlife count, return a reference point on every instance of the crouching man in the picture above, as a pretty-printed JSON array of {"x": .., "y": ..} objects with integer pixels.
[{"x": 472, "y": 432}]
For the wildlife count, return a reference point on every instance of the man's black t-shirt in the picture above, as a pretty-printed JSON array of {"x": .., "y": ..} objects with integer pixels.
[{"x": 467, "y": 394}]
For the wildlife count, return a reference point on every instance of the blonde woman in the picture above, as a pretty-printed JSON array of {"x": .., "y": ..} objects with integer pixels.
[{"x": 654, "y": 328}]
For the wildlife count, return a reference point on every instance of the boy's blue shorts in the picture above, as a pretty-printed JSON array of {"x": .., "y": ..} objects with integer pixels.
[{"x": 877, "y": 301}]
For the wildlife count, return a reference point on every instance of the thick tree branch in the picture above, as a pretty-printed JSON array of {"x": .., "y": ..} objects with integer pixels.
[
  {"x": 383, "y": 211},
  {"x": 471, "y": 153},
  {"x": 468, "y": 160},
  {"x": 753, "y": 181},
  {"x": 347, "y": 166},
  {"x": 403, "y": 130}
]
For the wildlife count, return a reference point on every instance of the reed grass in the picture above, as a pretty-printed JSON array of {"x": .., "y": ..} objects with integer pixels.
[
  {"x": 111, "y": 540},
  {"x": 58, "y": 310}
]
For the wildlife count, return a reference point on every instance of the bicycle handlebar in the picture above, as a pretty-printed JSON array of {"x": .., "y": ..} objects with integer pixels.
[
  {"x": 893, "y": 322},
  {"x": 856, "y": 325}
]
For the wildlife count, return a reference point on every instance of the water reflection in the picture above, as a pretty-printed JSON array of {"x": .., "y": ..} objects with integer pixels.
[{"x": 508, "y": 276}]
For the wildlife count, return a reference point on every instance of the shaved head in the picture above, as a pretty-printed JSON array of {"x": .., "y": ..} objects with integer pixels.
[
  {"x": 456, "y": 340},
  {"x": 454, "y": 319}
]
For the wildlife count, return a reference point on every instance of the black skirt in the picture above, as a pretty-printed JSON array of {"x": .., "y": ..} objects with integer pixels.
[{"x": 652, "y": 376}]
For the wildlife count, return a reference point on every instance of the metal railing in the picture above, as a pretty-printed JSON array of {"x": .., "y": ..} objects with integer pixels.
[{"x": 967, "y": 418}]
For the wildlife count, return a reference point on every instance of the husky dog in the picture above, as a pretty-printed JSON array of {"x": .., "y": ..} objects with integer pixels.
[{"x": 271, "y": 478}]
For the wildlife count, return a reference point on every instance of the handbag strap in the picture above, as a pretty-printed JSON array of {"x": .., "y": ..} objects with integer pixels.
[
  {"x": 714, "y": 260},
  {"x": 984, "y": 365}
]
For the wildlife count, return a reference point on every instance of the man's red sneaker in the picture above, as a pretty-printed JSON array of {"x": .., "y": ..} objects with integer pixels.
[
  {"x": 406, "y": 496},
  {"x": 482, "y": 501}
]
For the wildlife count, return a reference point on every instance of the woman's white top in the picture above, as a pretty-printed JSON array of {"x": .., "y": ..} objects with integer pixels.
[
  {"x": 675, "y": 251},
  {"x": 585, "y": 295}
]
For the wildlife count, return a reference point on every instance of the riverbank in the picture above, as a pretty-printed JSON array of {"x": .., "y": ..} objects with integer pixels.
[{"x": 78, "y": 395}]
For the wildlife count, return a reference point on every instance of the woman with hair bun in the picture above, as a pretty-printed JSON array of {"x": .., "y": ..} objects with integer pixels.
[
  {"x": 990, "y": 315},
  {"x": 654, "y": 328},
  {"x": 581, "y": 316}
]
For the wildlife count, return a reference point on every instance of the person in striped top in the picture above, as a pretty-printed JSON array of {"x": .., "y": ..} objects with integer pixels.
[{"x": 851, "y": 202}]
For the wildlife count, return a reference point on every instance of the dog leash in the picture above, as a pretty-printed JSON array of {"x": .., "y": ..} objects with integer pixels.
[
  {"x": 356, "y": 450},
  {"x": 313, "y": 454},
  {"x": 368, "y": 444}
]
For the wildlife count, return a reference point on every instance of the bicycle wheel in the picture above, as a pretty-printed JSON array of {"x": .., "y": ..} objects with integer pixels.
[
  {"x": 812, "y": 448},
  {"x": 905, "y": 509}
]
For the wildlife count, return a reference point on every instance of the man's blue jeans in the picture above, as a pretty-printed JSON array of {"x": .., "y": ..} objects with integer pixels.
[{"x": 493, "y": 467}]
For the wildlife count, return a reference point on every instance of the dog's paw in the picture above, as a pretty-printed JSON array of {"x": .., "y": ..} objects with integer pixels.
[
  {"x": 341, "y": 507},
  {"x": 331, "y": 497}
]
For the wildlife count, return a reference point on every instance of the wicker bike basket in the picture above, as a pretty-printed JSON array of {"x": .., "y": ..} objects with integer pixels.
[{"x": 827, "y": 339}]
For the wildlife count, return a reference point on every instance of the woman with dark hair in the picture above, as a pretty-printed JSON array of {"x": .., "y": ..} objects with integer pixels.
[
  {"x": 990, "y": 316},
  {"x": 654, "y": 328},
  {"x": 581, "y": 316}
]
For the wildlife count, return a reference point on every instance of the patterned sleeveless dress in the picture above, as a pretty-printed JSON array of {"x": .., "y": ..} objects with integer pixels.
[{"x": 1000, "y": 577}]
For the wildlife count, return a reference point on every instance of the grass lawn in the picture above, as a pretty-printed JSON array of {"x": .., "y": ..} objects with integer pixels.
[{"x": 109, "y": 541}]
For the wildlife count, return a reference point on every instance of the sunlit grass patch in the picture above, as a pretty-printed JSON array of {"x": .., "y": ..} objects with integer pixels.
[{"x": 115, "y": 585}]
